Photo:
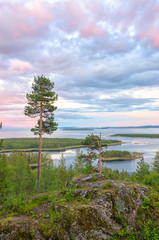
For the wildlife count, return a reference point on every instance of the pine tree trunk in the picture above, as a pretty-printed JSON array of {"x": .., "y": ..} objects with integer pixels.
[
  {"x": 100, "y": 161},
  {"x": 99, "y": 149},
  {"x": 40, "y": 148}
]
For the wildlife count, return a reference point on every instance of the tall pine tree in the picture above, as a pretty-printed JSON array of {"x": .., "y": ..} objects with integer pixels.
[{"x": 41, "y": 105}]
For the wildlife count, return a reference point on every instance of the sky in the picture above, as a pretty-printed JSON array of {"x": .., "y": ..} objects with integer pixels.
[{"x": 102, "y": 55}]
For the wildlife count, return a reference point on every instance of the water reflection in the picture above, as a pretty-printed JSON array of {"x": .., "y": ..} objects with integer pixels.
[{"x": 146, "y": 146}]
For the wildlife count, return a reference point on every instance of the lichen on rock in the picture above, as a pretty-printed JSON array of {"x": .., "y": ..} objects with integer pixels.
[{"x": 96, "y": 208}]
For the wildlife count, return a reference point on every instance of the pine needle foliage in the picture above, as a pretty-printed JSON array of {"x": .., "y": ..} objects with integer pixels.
[{"x": 41, "y": 101}]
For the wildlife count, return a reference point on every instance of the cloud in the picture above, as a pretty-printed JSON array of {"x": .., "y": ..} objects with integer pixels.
[
  {"x": 19, "y": 21},
  {"x": 15, "y": 67},
  {"x": 102, "y": 55},
  {"x": 71, "y": 116}
]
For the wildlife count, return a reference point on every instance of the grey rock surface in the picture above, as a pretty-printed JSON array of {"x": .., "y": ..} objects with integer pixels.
[{"x": 97, "y": 212}]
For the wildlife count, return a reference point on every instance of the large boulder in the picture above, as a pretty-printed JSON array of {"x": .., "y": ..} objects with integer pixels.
[{"x": 93, "y": 208}]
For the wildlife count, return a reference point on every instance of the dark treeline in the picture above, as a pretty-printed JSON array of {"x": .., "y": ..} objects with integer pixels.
[
  {"x": 48, "y": 143},
  {"x": 31, "y": 143},
  {"x": 122, "y": 155},
  {"x": 116, "y": 153}
]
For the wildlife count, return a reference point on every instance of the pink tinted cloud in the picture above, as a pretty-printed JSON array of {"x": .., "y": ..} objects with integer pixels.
[
  {"x": 71, "y": 13},
  {"x": 78, "y": 17},
  {"x": 42, "y": 11},
  {"x": 124, "y": 15},
  {"x": 98, "y": 10},
  {"x": 74, "y": 9},
  {"x": 91, "y": 30},
  {"x": 17, "y": 20},
  {"x": 151, "y": 37},
  {"x": 14, "y": 68},
  {"x": 147, "y": 22},
  {"x": 12, "y": 111},
  {"x": 148, "y": 26},
  {"x": 20, "y": 21},
  {"x": 154, "y": 38},
  {"x": 19, "y": 67},
  {"x": 11, "y": 98},
  {"x": 142, "y": 15},
  {"x": 17, "y": 120}
]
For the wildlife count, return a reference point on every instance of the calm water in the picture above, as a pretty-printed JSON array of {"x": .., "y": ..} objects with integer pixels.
[{"x": 147, "y": 146}]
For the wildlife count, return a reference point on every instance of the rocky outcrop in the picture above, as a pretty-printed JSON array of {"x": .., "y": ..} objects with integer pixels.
[{"x": 92, "y": 208}]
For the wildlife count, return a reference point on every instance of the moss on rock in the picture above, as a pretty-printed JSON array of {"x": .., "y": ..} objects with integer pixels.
[{"x": 104, "y": 209}]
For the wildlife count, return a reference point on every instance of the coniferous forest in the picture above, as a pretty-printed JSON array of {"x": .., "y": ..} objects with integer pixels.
[{"x": 18, "y": 180}]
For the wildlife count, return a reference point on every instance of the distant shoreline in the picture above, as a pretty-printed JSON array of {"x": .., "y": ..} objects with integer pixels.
[
  {"x": 136, "y": 135},
  {"x": 83, "y": 128},
  {"x": 120, "y": 159},
  {"x": 43, "y": 150}
]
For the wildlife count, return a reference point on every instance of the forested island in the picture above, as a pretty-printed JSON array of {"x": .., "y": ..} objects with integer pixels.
[
  {"x": 49, "y": 144},
  {"x": 115, "y": 155}
]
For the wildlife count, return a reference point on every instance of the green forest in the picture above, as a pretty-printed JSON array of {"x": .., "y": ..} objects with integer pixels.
[
  {"x": 18, "y": 181},
  {"x": 18, "y": 188}
]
